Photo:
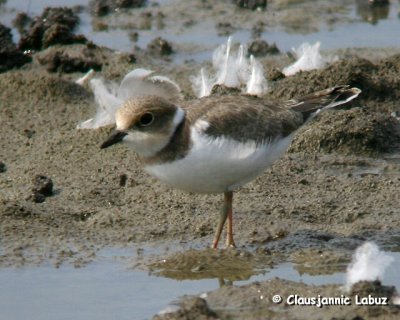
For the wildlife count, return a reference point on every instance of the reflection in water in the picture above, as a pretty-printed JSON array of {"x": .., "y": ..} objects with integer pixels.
[
  {"x": 373, "y": 10},
  {"x": 225, "y": 265}
]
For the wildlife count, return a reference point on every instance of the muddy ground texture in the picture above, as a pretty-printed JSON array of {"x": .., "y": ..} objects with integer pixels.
[{"x": 62, "y": 198}]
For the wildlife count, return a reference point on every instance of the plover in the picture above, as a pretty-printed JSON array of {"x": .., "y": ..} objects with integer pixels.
[{"x": 216, "y": 144}]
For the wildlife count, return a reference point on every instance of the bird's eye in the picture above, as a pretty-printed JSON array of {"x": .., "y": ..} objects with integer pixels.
[{"x": 146, "y": 119}]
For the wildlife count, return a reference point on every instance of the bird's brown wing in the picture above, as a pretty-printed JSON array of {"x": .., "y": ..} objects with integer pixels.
[{"x": 244, "y": 118}]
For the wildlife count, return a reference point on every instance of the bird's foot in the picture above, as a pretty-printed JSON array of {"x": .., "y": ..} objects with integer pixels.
[{"x": 230, "y": 243}]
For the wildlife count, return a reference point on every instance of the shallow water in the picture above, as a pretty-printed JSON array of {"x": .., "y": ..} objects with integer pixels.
[
  {"x": 365, "y": 28},
  {"x": 109, "y": 289}
]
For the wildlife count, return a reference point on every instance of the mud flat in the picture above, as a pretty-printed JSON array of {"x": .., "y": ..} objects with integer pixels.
[{"x": 335, "y": 188}]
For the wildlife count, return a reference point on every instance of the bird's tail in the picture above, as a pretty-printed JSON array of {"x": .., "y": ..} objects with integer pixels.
[{"x": 324, "y": 99}]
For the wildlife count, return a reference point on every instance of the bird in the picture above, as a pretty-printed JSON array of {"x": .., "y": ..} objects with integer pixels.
[{"x": 217, "y": 143}]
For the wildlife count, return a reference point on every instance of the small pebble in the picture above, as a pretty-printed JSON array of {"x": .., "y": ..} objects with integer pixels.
[
  {"x": 261, "y": 48},
  {"x": 43, "y": 185},
  {"x": 122, "y": 179},
  {"x": 159, "y": 46},
  {"x": 252, "y": 4},
  {"x": 37, "y": 197}
]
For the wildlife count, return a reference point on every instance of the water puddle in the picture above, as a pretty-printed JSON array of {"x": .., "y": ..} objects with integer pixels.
[
  {"x": 362, "y": 26},
  {"x": 108, "y": 289}
]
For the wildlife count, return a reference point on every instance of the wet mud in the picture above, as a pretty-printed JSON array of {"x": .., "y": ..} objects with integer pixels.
[
  {"x": 10, "y": 56},
  {"x": 105, "y": 7},
  {"x": 54, "y": 26},
  {"x": 254, "y": 301},
  {"x": 336, "y": 187}
]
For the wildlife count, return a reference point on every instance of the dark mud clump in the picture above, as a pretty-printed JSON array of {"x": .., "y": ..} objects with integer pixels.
[
  {"x": 191, "y": 308},
  {"x": 373, "y": 10},
  {"x": 251, "y": 4},
  {"x": 255, "y": 301},
  {"x": 21, "y": 21},
  {"x": 160, "y": 47},
  {"x": 355, "y": 131},
  {"x": 3, "y": 167},
  {"x": 123, "y": 178},
  {"x": 261, "y": 48},
  {"x": 225, "y": 28},
  {"x": 37, "y": 197},
  {"x": 374, "y": 288},
  {"x": 54, "y": 26},
  {"x": 10, "y": 56},
  {"x": 220, "y": 89},
  {"x": 43, "y": 185},
  {"x": 275, "y": 74},
  {"x": 61, "y": 61},
  {"x": 368, "y": 131},
  {"x": 379, "y": 82},
  {"x": 104, "y": 7},
  {"x": 42, "y": 188}
]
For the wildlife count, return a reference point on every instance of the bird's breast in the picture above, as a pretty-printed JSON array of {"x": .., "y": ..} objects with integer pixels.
[{"x": 216, "y": 165}]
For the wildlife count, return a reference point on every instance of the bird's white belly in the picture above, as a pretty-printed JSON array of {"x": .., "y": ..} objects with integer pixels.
[{"x": 218, "y": 165}]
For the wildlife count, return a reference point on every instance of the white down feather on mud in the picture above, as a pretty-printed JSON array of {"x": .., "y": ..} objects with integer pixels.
[
  {"x": 368, "y": 263},
  {"x": 231, "y": 69},
  {"x": 109, "y": 96},
  {"x": 308, "y": 57}
]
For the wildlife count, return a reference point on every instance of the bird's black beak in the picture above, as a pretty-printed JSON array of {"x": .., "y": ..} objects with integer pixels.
[{"x": 115, "y": 137}]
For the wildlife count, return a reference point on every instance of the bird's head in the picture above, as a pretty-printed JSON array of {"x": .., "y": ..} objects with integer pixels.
[{"x": 145, "y": 124}]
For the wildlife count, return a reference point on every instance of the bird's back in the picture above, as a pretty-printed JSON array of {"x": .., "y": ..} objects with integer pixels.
[{"x": 243, "y": 118}]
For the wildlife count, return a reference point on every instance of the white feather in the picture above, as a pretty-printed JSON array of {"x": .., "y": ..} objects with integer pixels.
[
  {"x": 231, "y": 71},
  {"x": 202, "y": 84},
  {"x": 136, "y": 83},
  {"x": 368, "y": 263},
  {"x": 107, "y": 104},
  {"x": 222, "y": 61},
  {"x": 257, "y": 84},
  {"x": 242, "y": 65},
  {"x": 128, "y": 86},
  {"x": 81, "y": 81},
  {"x": 139, "y": 82},
  {"x": 308, "y": 58}
]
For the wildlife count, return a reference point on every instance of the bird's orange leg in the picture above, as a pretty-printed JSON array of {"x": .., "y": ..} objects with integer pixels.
[
  {"x": 229, "y": 234},
  {"x": 226, "y": 212}
]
